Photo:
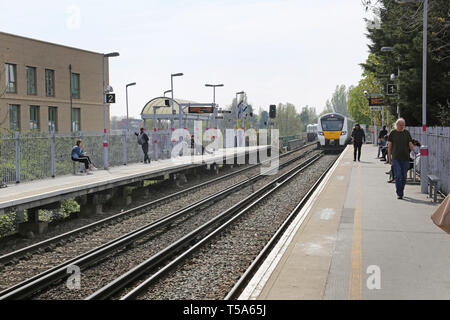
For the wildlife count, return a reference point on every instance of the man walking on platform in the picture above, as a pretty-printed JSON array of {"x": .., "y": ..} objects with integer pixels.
[
  {"x": 358, "y": 137},
  {"x": 143, "y": 141},
  {"x": 399, "y": 145}
]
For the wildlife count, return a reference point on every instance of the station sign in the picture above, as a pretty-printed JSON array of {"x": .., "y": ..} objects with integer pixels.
[
  {"x": 379, "y": 101},
  {"x": 201, "y": 110},
  {"x": 376, "y": 108}
]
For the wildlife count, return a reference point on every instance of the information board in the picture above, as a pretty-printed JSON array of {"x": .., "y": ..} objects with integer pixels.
[{"x": 201, "y": 110}]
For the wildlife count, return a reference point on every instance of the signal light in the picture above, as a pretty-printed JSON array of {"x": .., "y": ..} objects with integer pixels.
[{"x": 272, "y": 111}]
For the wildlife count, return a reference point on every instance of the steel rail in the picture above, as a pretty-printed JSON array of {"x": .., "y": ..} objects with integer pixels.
[
  {"x": 6, "y": 258},
  {"x": 189, "y": 240},
  {"x": 28, "y": 287},
  {"x": 246, "y": 276}
]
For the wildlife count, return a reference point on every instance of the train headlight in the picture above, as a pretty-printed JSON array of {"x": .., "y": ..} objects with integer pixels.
[
  {"x": 320, "y": 133},
  {"x": 343, "y": 133}
]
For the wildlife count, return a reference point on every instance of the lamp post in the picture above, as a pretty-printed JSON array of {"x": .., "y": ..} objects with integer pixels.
[
  {"x": 237, "y": 110},
  {"x": 237, "y": 116},
  {"x": 126, "y": 92},
  {"x": 171, "y": 90},
  {"x": 424, "y": 147},
  {"x": 167, "y": 91},
  {"x": 214, "y": 102},
  {"x": 105, "y": 140},
  {"x": 390, "y": 49},
  {"x": 171, "y": 103}
]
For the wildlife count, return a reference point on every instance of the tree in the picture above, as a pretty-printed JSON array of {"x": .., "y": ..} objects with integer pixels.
[
  {"x": 401, "y": 27},
  {"x": 328, "y": 108},
  {"x": 263, "y": 119},
  {"x": 308, "y": 115},
  {"x": 288, "y": 120},
  {"x": 339, "y": 100}
]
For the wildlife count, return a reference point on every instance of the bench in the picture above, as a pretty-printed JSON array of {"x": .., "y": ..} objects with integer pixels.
[
  {"x": 433, "y": 181},
  {"x": 74, "y": 167}
]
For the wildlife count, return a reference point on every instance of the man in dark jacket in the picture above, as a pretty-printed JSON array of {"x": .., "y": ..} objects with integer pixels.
[
  {"x": 358, "y": 137},
  {"x": 381, "y": 141},
  {"x": 143, "y": 141}
]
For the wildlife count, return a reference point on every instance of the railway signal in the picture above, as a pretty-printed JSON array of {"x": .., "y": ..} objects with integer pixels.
[{"x": 272, "y": 111}]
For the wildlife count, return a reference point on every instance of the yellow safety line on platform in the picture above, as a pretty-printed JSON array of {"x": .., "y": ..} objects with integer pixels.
[{"x": 355, "y": 275}]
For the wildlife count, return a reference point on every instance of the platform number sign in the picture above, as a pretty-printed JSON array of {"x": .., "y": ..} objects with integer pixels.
[
  {"x": 111, "y": 98},
  {"x": 391, "y": 89}
]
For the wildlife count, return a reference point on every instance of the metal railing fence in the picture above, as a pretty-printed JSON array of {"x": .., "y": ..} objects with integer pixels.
[
  {"x": 38, "y": 155},
  {"x": 34, "y": 155},
  {"x": 438, "y": 142}
]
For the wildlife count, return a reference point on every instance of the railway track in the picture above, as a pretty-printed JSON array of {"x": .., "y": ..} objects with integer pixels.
[
  {"x": 51, "y": 243},
  {"x": 92, "y": 256},
  {"x": 219, "y": 265}
]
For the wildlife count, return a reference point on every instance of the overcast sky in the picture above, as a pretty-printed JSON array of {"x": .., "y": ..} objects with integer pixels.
[{"x": 293, "y": 51}]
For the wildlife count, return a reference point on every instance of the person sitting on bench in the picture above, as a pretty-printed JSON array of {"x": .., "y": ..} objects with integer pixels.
[{"x": 78, "y": 154}]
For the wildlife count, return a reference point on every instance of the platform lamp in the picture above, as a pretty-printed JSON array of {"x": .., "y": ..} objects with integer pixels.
[
  {"x": 105, "y": 141},
  {"x": 237, "y": 110},
  {"x": 390, "y": 49},
  {"x": 171, "y": 87},
  {"x": 214, "y": 100},
  {"x": 126, "y": 92},
  {"x": 424, "y": 147}
]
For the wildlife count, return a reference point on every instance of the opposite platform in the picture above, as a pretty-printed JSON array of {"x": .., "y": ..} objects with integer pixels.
[
  {"x": 41, "y": 192},
  {"x": 356, "y": 240}
]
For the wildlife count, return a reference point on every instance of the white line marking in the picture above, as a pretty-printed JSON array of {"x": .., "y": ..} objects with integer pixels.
[{"x": 259, "y": 280}]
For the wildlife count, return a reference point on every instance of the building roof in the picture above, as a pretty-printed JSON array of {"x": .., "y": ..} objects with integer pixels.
[
  {"x": 46, "y": 42},
  {"x": 161, "y": 103}
]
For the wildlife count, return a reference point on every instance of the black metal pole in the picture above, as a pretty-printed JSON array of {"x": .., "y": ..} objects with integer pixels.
[{"x": 70, "y": 92}]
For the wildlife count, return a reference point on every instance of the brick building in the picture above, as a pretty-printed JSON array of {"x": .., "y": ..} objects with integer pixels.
[{"x": 38, "y": 79}]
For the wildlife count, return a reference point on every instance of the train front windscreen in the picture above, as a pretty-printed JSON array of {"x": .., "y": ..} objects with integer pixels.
[{"x": 332, "y": 124}]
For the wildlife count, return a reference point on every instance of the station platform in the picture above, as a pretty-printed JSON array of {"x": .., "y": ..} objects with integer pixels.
[
  {"x": 354, "y": 240},
  {"x": 41, "y": 192}
]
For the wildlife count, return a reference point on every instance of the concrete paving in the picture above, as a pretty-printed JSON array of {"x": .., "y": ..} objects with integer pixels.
[{"x": 358, "y": 241}]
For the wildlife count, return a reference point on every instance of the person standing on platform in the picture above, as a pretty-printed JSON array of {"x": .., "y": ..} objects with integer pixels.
[
  {"x": 358, "y": 137},
  {"x": 143, "y": 141},
  {"x": 399, "y": 145},
  {"x": 381, "y": 141}
]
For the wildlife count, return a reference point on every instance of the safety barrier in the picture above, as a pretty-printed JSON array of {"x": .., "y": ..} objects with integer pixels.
[
  {"x": 34, "y": 155},
  {"x": 438, "y": 142}
]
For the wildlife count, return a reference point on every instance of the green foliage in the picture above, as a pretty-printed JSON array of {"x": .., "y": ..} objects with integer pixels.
[
  {"x": 69, "y": 206},
  {"x": 263, "y": 119},
  {"x": 308, "y": 115},
  {"x": 288, "y": 120},
  {"x": 339, "y": 100},
  {"x": 401, "y": 28},
  {"x": 7, "y": 225}
]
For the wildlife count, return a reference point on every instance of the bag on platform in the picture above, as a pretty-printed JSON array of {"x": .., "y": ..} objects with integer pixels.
[
  {"x": 140, "y": 139},
  {"x": 441, "y": 217}
]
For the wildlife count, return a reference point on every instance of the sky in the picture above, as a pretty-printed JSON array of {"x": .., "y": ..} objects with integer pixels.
[{"x": 277, "y": 51}]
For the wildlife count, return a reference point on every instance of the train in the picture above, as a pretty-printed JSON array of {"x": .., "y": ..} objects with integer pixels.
[
  {"x": 311, "y": 132},
  {"x": 334, "y": 131}
]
